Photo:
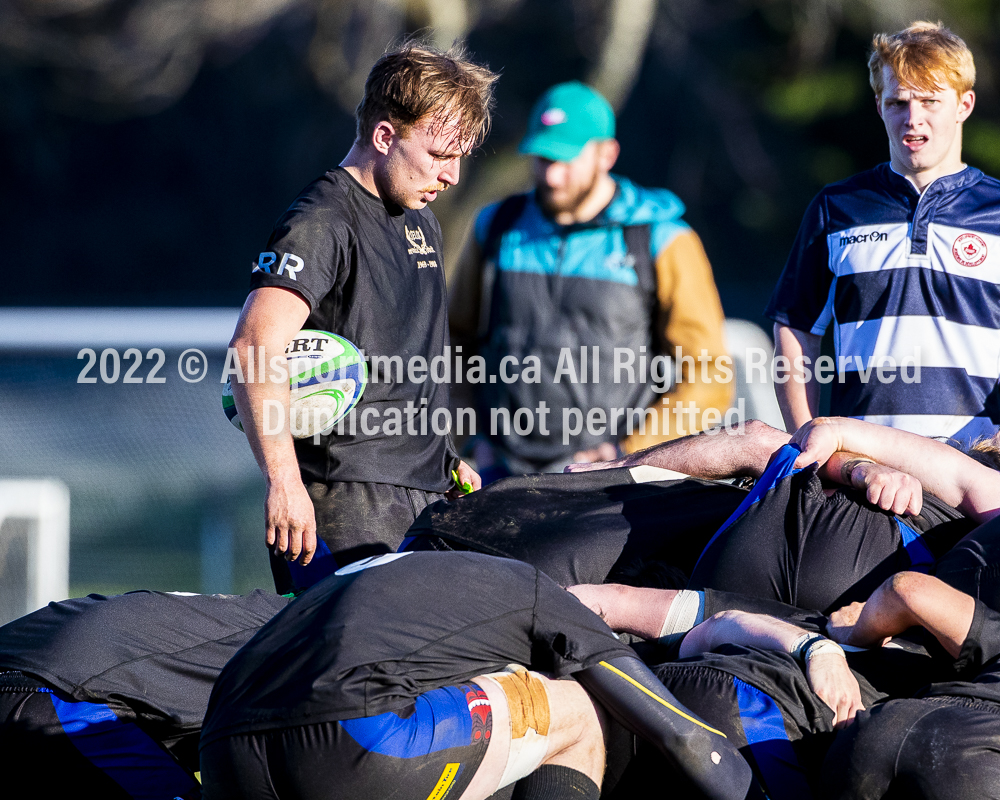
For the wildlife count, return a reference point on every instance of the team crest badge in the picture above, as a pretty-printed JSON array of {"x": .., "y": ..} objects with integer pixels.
[
  {"x": 969, "y": 250},
  {"x": 418, "y": 244}
]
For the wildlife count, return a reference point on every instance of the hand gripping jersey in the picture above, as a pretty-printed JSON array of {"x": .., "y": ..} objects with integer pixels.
[
  {"x": 763, "y": 702},
  {"x": 789, "y": 542},
  {"x": 911, "y": 283}
]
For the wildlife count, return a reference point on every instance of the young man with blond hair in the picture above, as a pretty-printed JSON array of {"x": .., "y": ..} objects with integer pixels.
[
  {"x": 359, "y": 254},
  {"x": 904, "y": 259}
]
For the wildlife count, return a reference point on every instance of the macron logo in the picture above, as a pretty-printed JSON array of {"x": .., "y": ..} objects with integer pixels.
[{"x": 862, "y": 238}]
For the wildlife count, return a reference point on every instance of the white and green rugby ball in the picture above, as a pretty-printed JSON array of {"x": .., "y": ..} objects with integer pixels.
[{"x": 327, "y": 375}]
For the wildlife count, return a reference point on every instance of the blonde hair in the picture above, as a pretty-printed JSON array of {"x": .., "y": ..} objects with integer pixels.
[
  {"x": 986, "y": 450},
  {"x": 926, "y": 56},
  {"x": 415, "y": 81}
]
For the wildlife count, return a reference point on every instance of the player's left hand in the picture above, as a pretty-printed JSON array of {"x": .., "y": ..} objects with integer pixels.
[
  {"x": 889, "y": 489},
  {"x": 834, "y": 683},
  {"x": 590, "y": 595},
  {"x": 466, "y": 475},
  {"x": 840, "y": 623},
  {"x": 818, "y": 440}
]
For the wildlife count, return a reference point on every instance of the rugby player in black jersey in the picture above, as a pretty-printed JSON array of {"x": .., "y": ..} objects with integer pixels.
[
  {"x": 358, "y": 253},
  {"x": 421, "y": 674},
  {"x": 945, "y": 741},
  {"x": 102, "y": 698},
  {"x": 925, "y": 708}
]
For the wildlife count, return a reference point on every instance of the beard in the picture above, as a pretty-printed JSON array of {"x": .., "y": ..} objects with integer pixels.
[{"x": 557, "y": 201}]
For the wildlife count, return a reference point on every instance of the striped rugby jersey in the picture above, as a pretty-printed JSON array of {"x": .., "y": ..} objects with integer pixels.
[{"x": 912, "y": 285}]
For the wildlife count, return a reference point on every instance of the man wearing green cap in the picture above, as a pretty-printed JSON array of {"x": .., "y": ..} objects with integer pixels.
[{"x": 574, "y": 292}]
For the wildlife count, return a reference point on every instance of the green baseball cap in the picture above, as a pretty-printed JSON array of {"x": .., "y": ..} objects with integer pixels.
[{"x": 564, "y": 119}]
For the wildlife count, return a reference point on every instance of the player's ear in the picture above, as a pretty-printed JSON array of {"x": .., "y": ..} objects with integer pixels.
[
  {"x": 607, "y": 153},
  {"x": 966, "y": 102},
  {"x": 382, "y": 136}
]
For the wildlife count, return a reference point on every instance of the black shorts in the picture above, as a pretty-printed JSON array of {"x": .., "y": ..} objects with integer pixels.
[
  {"x": 800, "y": 547},
  {"x": 753, "y": 721},
  {"x": 353, "y": 521},
  {"x": 935, "y": 748},
  {"x": 433, "y": 751},
  {"x": 69, "y": 749}
]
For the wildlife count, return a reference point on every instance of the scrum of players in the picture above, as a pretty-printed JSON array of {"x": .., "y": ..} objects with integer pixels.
[
  {"x": 832, "y": 632},
  {"x": 826, "y": 626}
]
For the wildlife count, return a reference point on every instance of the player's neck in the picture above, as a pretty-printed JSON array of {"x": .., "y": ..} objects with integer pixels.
[
  {"x": 921, "y": 179},
  {"x": 591, "y": 205},
  {"x": 362, "y": 168}
]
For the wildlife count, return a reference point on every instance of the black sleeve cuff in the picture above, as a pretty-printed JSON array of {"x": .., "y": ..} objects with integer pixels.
[{"x": 982, "y": 644}]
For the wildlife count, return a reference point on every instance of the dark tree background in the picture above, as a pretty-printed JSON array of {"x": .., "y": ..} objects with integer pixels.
[{"x": 148, "y": 145}]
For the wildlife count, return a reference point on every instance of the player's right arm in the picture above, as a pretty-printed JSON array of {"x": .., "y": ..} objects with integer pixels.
[
  {"x": 270, "y": 318},
  {"x": 904, "y": 600},
  {"x": 801, "y": 307},
  {"x": 723, "y": 453},
  {"x": 798, "y": 399}
]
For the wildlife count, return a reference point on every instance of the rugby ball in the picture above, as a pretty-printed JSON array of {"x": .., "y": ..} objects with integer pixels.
[{"x": 327, "y": 375}]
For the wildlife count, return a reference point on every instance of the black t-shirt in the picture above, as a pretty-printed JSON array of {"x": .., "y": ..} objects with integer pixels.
[
  {"x": 153, "y": 654},
  {"x": 580, "y": 527},
  {"x": 372, "y": 638},
  {"x": 374, "y": 277}
]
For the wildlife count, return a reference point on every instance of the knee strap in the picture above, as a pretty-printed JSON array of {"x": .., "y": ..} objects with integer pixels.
[
  {"x": 527, "y": 700},
  {"x": 528, "y": 704}
]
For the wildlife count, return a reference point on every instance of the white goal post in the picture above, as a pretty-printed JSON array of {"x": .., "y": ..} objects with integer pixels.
[{"x": 34, "y": 545}]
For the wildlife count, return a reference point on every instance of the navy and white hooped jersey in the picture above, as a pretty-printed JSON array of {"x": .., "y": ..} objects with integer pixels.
[{"x": 912, "y": 285}]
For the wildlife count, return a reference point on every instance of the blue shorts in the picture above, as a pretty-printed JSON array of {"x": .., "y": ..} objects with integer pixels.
[{"x": 432, "y": 751}]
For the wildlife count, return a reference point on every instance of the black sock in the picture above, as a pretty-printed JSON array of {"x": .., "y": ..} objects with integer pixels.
[{"x": 552, "y": 782}]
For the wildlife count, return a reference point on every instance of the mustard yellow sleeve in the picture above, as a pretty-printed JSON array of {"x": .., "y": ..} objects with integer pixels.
[{"x": 690, "y": 318}]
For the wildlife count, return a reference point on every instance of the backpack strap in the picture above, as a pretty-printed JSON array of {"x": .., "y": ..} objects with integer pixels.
[
  {"x": 637, "y": 244},
  {"x": 507, "y": 213}
]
